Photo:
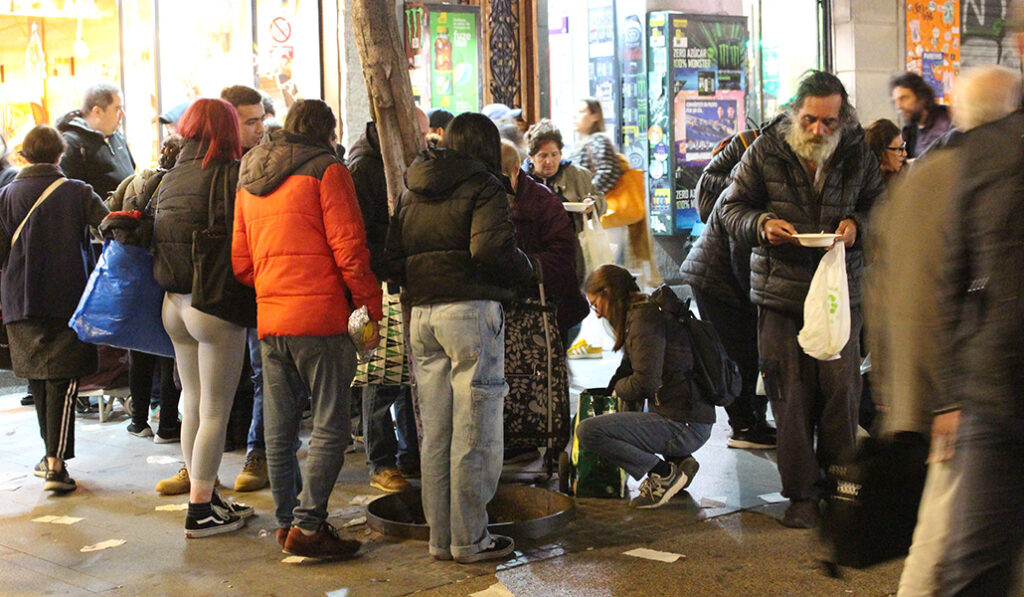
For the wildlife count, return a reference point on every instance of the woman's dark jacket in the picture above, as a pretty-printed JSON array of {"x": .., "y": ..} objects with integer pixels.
[
  {"x": 44, "y": 273},
  {"x": 717, "y": 264},
  {"x": 366, "y": 165},
  {"x": 451, "y": 239},
  {"x": 92, "y": 157},
  {"x": 770, "y": 182},
  {"x": 657, "y": 361},
  {"x": 182, "y": 205},
  {"x": 544, "y": 230}
]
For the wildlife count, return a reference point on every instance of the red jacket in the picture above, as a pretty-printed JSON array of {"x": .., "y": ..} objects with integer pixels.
[{"x": 299, "y": 240}]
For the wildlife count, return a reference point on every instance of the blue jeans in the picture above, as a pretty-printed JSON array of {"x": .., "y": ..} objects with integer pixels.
[
  {"x": 987, "y": 519},
  {"x": 459, "y": 370},
  {"x": 255, "y": 440},
  {"x": 384, "y": 449},
  {"x": 326, "y": 365},
  {"x": 631, "y": 439}
]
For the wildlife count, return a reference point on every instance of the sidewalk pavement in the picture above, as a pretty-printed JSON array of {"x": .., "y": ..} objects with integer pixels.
[{"x": 724, "y": 527}]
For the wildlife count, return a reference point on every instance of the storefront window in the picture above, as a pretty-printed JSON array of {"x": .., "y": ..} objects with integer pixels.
[
  {"x": 49, "y": 56},
  {"x": 140, "y": 88},
  {"x": 288, "y": 65}
]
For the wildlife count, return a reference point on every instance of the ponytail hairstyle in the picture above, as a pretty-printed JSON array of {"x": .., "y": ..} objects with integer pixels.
[{"x": 620, "y": 291}]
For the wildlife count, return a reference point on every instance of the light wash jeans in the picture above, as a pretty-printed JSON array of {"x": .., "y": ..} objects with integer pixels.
[
  {"x": 459, "y": 371},
  {"x": 631, "y": 439},
  {"x": 326, "y": 365}
]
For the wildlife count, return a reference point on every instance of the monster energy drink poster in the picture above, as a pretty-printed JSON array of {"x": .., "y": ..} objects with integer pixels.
[
  {"x": 454, "y": 81},
  {"x": 703, "y": 65}
]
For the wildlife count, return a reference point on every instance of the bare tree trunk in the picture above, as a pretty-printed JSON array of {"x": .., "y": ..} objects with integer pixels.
[{"x": 387, "y": 82}]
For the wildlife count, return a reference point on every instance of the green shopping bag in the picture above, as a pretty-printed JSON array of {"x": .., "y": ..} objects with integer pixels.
[{"x": 595, "y": 476}]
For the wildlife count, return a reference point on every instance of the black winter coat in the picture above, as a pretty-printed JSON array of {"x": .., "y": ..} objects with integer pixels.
[
  {"x": 101, "y": 161},
  {"x": 451, "y": 238},
  {"x": 44, "y": 273},
  {"x": 981, "y": 295},
  {"x": 366, "y": 165},
  {"x": 770, "y": 182},
  {"x": 657, "y": 361},
  {"x": 717, "y": 264},
  {"x": 182, "y": 208}
]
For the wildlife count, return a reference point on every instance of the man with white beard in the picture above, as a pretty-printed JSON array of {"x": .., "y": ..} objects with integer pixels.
[{"x": 809, "y": 171}]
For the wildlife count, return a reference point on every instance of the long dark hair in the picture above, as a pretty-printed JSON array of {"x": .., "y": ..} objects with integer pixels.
[
  {"x": 879, "y": 135},
  {"x": 475, "y": 135},
  {"x": 619, "y": 289}
]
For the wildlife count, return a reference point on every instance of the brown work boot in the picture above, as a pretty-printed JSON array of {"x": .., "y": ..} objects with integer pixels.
[
  {"x": 325, "y": 544},
  {"x": 254, "y": 474},
  {"x": 175, "y": 485},
  {"x": 389, "y": 480}
]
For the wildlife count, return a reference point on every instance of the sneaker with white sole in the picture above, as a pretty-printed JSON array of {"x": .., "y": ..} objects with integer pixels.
[
  {"x": 501, "y": 548},
  {"x": 204, "y": 522},
  {"x": 237, "y": 508},
  {"x": 656, "y": 490},
  {"x": 582, "y": 350},
  {"x": 144, "y": 431},
  {"x": 59, "y": 481},
  {"x": 41, "y": 468}
]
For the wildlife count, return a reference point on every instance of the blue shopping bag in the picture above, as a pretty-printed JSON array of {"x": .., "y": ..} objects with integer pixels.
[{"x": 122, "y": 302}]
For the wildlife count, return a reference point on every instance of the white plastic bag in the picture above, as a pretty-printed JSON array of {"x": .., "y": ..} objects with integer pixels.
[
  {"x": 827, "y": 308},
  {"x": 597, "y": 248}
]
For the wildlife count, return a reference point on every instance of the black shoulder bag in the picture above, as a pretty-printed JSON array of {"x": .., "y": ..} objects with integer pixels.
[{"x": 215, "y": 290}]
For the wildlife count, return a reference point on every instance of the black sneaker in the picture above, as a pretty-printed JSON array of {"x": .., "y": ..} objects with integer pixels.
[
  {"x": 41, "y": 468},
  {"x": 167, "y": 437},
  {"x": 28, "y": 400},
  {"x": 233, "y": 507},
  {"x": 59, "y": 481},
  {"x": 802, "y": 514},
  {"x": 656, "y": 490},
  {"x": 144, "y": 431},
  {"x": 211, "y": 522},
  {"x": 752, "y": 438},
  {"x": 501, "y": 547}
]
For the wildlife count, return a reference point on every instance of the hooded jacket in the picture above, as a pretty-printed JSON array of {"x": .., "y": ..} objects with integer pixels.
[
  {"x": 183, "y": 208},
  {"x": 451, "y": 239},
  {"x": 299, "y": 239},
  {"x": 545, "y": 231},
  {"x": 91, "y": 157},
  {"x": 657, "y": 361},
  {"x": 770, "y": 182},
  {"x": 366, "y": 166}
]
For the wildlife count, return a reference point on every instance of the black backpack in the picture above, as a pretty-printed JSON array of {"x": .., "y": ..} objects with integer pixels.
[{"x": 716, "y": 375}]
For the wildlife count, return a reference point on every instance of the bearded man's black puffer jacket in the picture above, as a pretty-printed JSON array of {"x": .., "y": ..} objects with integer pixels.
[
  {"x": 451, "y": 238},
  {"x": 771, "y": 182}
]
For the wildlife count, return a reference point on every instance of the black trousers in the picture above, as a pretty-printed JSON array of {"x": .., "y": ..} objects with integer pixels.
[
  {"x": 143, "y": 368},
  {"x": 55, "y": 408},
  {"x": 737, "y": 328},
  {"x": 810, "y": 398}
]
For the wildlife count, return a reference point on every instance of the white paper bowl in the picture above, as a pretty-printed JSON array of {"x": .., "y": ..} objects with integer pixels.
[{"x": 820, "y": 240}]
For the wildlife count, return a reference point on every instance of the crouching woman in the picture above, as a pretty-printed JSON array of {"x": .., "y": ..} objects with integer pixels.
[{"x": 657, "y": 365}]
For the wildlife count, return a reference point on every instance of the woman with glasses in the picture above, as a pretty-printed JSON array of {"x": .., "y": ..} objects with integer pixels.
[
  {"x": 886, "y": 141},
  {"x": 657, "y": 367}
]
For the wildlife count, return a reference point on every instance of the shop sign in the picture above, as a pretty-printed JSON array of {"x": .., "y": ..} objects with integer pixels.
[{"x": 280, "y": 30}]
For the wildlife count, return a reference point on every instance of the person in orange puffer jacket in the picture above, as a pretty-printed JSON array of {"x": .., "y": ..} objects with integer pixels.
[{"x": 299, "y": 240}]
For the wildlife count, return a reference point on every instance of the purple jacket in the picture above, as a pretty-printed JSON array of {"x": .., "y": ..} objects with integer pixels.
[{"x": 544, "y": 230}]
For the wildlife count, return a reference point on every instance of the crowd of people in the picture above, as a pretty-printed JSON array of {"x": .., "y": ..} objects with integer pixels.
[{"x": 928, "y": 215}]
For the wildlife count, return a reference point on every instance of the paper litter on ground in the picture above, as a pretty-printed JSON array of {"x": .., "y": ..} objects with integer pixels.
[
  {"x": 161, "y": 459},
  {"x": 103, "y": 545},
  {"x": 653, "y": 554},
  {"x": 338, "y": 593},
  {"x": 294, "y": 559},
  {"x": 773, "y": 498},
  {"x": 495, "y": 590},
  {"x": 362, "y": 500},
  {"x": 354, "y": 522},
  {"x": 172, "y": 507},
  {"x": 717, "y": 501},
  {"x": 57, "y": 519},
  {"x": 10, "y": 487}
]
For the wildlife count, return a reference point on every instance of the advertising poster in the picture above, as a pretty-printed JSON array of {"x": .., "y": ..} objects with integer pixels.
[
  {"x": 708, "y": 82},
  {"x": 601, "y": 38},
  {"x": 659, "y": 168},
  {"x": 633, "y": 140},
  {"x": 454, "y": 79},
  {"x": 933, "y": 43}
]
